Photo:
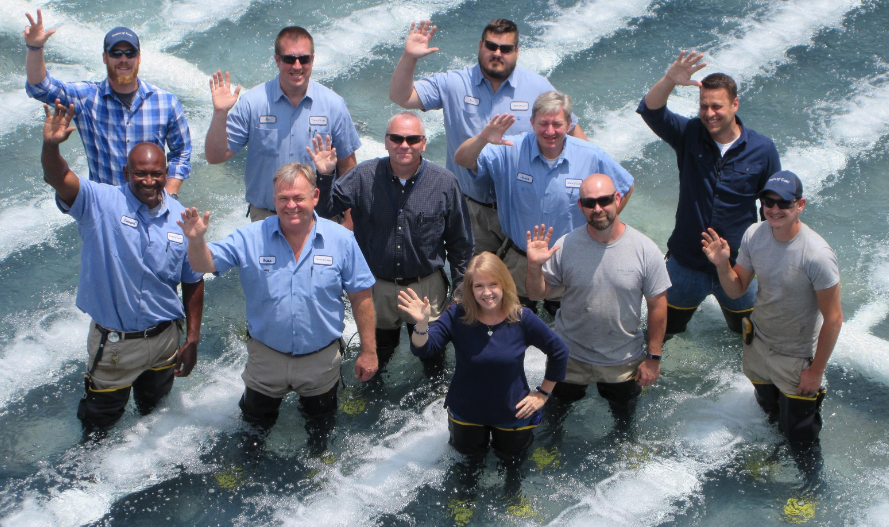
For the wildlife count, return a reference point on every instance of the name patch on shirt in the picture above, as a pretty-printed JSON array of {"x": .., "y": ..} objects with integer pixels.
[
  {"x": 129, "y": 222},
  {"x": 517, "y": 106},
  {"x": 470, "y": 100},
  {"x": 318, "y": 121},
  {"x": 323, "y": 260},
  {"x": 527, "y": 178},
  {"x": 266, "y": 260},
  {"x": 267, "y": 119},
  {"x": 572, "y": 183},
  {"x": 175, "y": 238}
]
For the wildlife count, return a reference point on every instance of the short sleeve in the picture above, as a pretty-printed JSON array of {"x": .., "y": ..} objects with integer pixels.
[
  {"x": 345, "y": 137},
  {"x": 85, "y": 209},
  {"x": 657, "y": 279},
  {"x": 744, "y": 251},
  {"x": 229, "y": 252},
  {"x": 823, "y": 270},
  {"x": 356, "y": 274},
  {"x": 237, "y": 125},
  {"x": 493, "y": 159},
  {"x": 552, "y": 269},
  {"x": 429, "y": 91}
]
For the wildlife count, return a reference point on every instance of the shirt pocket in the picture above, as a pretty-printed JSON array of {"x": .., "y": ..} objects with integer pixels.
[
  {"x": 472, "y": 117},
  {"x": 428, "y": 233},
  {"x": 172, "y": 268},
  {"x": 267, "y": 141},
  {"x": 741, "y": 179}
]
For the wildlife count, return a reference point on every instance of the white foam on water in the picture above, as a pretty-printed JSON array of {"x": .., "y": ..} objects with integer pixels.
[
  {"x": 370, "y": 149},
  {"x": 577, "y": 28},
  {"x": 153, "y": 449},
  {"x": 349, "y": 42},
  {"x": 855, "y": 127},
  {"x": 183, "y": 17},
  {"x": 45, "y": 343},
  {"x": 393, "y": 469},
  {"x": 25, "y": 224}
]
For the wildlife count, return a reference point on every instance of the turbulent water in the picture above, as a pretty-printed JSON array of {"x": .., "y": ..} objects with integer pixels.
[{"x": 814, "y": 77}]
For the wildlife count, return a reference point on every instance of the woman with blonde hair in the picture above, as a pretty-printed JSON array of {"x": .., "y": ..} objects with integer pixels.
[{"x": 489, "y": 399}]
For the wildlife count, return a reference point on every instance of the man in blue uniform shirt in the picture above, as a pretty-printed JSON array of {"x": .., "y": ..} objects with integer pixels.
[
  {"x": 293, "y": 268},
  {"x": 722, "y": 166},
  {"x": 114, "y": 115},
  {"x": 278, "y": 119},
  {"x": 470, "y": 97},
  {"x": 537, "y": 177},
  {"x": 132, "y": 260}
]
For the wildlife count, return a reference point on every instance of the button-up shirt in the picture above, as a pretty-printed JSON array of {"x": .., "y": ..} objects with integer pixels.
[
  {"x": 294, "y": 305},
  {"x": 469, "y": 102},
  {"x": 714, "y": 190},
  {"x": 109, "y": 130},
  {"x": 130, "y": 262},
  {"x": 279, "y": 132},
  {"x": 405, "y": 230},
  {"x": 529, "y": 192}
]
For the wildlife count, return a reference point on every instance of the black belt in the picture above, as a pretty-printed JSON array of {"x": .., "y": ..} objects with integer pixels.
[
  {"x": 510, "y": 245},
  {"x": 408, "y": 281},
  {"x": 274, "y": 212},
  {"x": 488, "y": 205},
  {"x": 114, "y": 336}
]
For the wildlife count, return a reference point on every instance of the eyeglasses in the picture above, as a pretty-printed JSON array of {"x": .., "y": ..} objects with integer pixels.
[
  {"x": 602, "y": 201},
  {"x": 411, "y": 139},
  {"x": 291, "y": 59},
  {"x": 506, "y": 49},
  {"x": 782, "y": 204},
  {"x": 118, "y": 53}
]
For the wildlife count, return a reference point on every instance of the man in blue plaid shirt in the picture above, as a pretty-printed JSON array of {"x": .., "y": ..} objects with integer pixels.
[{"x": 116, "y": 114}]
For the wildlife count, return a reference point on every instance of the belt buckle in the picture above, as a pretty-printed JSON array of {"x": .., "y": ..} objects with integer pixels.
[{"x": 113, "y": 336}]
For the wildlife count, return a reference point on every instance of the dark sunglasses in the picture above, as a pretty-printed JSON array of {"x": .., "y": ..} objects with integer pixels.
[
  {"x": 602, "y": 201},
  {"x": 411, "y": 139},
  {"x": 291, "y": 59},
  {"x": 118, "y": 53},
  {"x": 506, "y": 49},
  {"x": 782, "y": 204}
]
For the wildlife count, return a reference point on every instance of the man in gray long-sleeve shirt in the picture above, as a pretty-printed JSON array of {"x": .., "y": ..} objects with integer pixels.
[{"x": 409, "y": 215}]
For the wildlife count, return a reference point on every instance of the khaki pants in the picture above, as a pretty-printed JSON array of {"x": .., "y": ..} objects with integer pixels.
[
  {"x": 276, "y": 374},
  {"x": 582, "y": 373},
  {"x": 761, "y": 364},
  {"x": 518, "y": 268},
  {"x": 259, "y": 214},
  {"x": 486, "y": 231},
  {"x": 122, "y": 362},
  {"x": 385, "y": 297}
]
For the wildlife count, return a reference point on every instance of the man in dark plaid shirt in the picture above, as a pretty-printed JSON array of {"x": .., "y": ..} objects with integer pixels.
[{"x": 409, "y": 215}]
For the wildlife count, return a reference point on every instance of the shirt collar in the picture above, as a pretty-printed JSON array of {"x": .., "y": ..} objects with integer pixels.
[
  {"x": 317, "y": 229},
  {"x": 478, "y": 78},
  {"x": 535, "y": 150},
  {"x": 137, "y": 206},
  {"x": 277, "y": 92},
  {"x": 142, "y": 92}
]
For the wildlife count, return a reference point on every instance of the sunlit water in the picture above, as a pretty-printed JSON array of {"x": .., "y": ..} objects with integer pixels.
[{"x": 813, "y": 77}]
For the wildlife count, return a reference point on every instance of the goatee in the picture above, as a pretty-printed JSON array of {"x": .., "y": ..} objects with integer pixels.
[{"x": 123, "y": 79}]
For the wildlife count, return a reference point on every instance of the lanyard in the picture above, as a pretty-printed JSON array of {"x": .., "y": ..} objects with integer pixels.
[{"x": 392, "y": 198}]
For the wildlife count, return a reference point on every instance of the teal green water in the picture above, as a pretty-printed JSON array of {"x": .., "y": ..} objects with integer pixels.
[{"x": 813, "y": 77}]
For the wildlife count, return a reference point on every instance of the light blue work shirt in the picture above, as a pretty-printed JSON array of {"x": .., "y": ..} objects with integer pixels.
[
  {"x": 529, "y": 192},
  {"x": 130, "y": 263},
  {"x": 469, "y": 102},
  {"x": 294, "y": 306},
  {"x": 279, "y": 133}
]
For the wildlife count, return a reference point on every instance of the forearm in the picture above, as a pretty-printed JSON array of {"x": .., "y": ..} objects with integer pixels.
[
  {"x": 401, "y": 87},
  {"x": 625, "y": 199},
  {"x": 193, "y": 299},
  {"x": 173, "y": 185},
  {"x": 216, "y": 145},
  {"x": 35, "y": 66},
  {"x": 657, "y": 323},
  {"x": 730, "y": 281},
  {"x": 548, "y": 385},
  {"x": 827, "y": 339},
  {"x": 54, "y": 165},
  {"x": 365, "y": 319},
  {"x": 535, "y": 284},
  {"x": 659, "y": 93},
  {"x": 420, "y": 340},
  {"x": 199, "y": 255},
  {"x": 467, "y": 155},
  {"x": 577, "y": 132}
]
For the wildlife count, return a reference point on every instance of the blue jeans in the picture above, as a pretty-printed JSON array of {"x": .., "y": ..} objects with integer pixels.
[{"x": 691, "y": 287}]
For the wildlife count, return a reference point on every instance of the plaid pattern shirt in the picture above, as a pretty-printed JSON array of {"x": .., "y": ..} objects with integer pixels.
[{"x": 109, "y": 130}]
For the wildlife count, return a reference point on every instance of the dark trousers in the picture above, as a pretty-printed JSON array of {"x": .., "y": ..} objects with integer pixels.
[
  {"x": 799, "y": 418},
  {"x": 103, "y": 408}
]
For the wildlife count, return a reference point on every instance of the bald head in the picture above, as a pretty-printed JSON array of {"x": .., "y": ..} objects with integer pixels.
[
  {"x": 597, "y": 185},
  {"x": 146, "y": 152},
  {"x": 408, "y": 119}
]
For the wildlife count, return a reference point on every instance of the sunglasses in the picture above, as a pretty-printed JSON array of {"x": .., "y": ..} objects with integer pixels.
[
  {"x": 602, "y": 201},
  {"x": 411, "y": 139},
  {"x": 118, "y": 53},
  {"x": 506, "y": 49},
  {"x": 291, "y": 59},
  {"x": 782, "y": 204}
]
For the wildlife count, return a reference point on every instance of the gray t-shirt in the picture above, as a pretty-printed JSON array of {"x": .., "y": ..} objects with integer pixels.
[
  {"x": 785, "y": 311},
  {"x": 604, "y": 284}
]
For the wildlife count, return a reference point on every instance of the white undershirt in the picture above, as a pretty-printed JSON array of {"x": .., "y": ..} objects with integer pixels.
[{"x": 724, "y": 147}]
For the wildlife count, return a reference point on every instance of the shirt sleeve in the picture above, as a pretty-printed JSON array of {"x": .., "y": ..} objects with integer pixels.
[
  {"x": 356, "y": 274},
  {"x": 85, "y": 209},
  {"x": 50, "y": 89},
  {"x": 179, "y": 142},
  {"x": 823, "y": 270},
  {"x": 237, "y": 125},
  {"x": 657, "y": 279},
  {"x": 664, "y": 123},
  {"x": 773, "y": 165},
  {"x": 439, "y": 334},
  {"x": 189, "y": 275},
  {"x": 623, "y": 181},
  {"x": 336, "y": 193},
  {"x": 744, "y": 250},
  {"x": 230, "y": 252},
  {"x": 540, "y": 336},
  {"x": 343, "y": 135},
  {"x": 552, "y": 269},
  {"x": 491, "y": 161},
  {"x": 429, "y": 90}
]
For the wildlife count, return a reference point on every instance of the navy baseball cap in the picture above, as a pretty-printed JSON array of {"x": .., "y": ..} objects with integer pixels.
[
  {"x": 785, "y": 184},
  {"x": 121, "y": 34}
]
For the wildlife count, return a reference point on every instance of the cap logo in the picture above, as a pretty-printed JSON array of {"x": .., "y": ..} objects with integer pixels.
[{"x": 780, "y": 179}]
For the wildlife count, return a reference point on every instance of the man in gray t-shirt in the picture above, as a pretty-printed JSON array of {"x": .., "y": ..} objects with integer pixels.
[
  {"x": 607, "y": 267},
  {"x": 797, "y": 311}
]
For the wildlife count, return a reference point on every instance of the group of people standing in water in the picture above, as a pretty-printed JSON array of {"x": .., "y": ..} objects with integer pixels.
[{"x": 525, "y": 210}]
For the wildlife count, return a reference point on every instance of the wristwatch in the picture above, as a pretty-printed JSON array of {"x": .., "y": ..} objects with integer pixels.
[
  {"x": 547, "y": 394},
  {"x": 652, "y": 356}
]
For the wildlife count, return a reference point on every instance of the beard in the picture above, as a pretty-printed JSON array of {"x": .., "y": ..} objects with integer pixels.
[
  {"x": 601, "y": 223},
  {"x": 496, "y": 74},
  {"x": 121, "y": 79}
]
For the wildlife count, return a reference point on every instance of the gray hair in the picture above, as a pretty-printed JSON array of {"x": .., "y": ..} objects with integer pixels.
[
  {"x": 288, "y": 173},
  {"x": 552, "y": 102},
  {"x": 408, "y": 115}
]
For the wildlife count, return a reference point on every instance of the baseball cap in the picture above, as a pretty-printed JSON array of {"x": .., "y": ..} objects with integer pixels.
[
  {"x": 785, "y": 184},
  {"x": 121, "y": 34}
]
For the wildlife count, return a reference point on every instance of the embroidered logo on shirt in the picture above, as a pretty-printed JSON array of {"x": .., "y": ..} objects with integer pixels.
[
  {"x": 266, "y": 260},
  {"x": 572, "y": 183},
  {"x": 129, "y": 222},
  {"x": 525, "y": 177},
  {"x": 519, "y": 106},
  {"x": 267, "y": 119},
  {"x": 323, "y": 260},
  {"x": 318, "y": 121},
  {"x": 175, "y": 238},
  {"x": 470, "y": 100}
]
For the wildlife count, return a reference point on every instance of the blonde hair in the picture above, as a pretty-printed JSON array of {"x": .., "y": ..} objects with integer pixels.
[{"x": 488, "y": 263}]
